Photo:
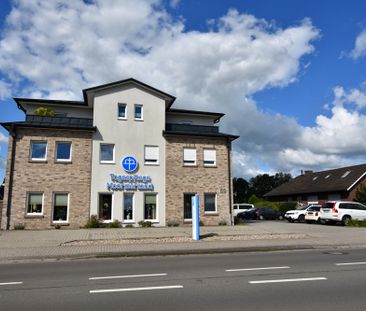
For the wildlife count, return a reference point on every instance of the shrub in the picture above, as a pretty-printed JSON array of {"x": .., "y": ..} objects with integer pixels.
[
  {"x": 173, "y": 223},
  {"x": 357, "y": 223},
  {"x": 129, "y": 226},
  {"x": 114, "y": 224},
  {"x": 145, "y": 224},
  {"x": 57, "y": 226},
  {"x": 222, "y": 222},
  {"x": 93, "y": 222},
  {"x": 19, "y": 226},
  {"x": 286, "y": 206}
]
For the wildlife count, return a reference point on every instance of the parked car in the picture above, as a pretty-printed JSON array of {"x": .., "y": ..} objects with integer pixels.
[
  {"x": 260, "y": 213},
  {"x": 298, "y": 214},
  {"x": 241, "y": 207},
  {"x": 342, "y": 211},
  {"x": 313, "y": 214}
]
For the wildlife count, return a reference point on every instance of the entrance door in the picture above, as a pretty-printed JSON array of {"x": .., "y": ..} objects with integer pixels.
[
  {"x": 105, "y": 206},
  {"x": 188, "y": 206}
]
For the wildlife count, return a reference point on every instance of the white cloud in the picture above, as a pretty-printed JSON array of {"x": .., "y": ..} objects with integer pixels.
[
  {"x": 3, "y": 138},
  {"x": 5, "y": 90},
  {"x": 360, "y": 46},
  {"x": 55, "y": 48}
]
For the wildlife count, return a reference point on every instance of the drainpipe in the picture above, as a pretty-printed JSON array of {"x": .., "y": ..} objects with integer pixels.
[
  {"x": 13, "y": 134},
  {"x": 230, "y": 182}
]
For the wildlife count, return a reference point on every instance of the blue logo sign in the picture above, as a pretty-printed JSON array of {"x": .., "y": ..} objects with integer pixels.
[{"x": 129, "y": 164}]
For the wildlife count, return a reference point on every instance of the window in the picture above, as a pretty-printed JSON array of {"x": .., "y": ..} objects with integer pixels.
[
  {"x": 209, "y": 157},
  {"x": 151, "y": 155},
  {"x": 60, "y": 207},
  {"x": 122, "y": 111},
  {"x": 105, "y": 206},
  {"x": 128, "y": 207},
  {"x": 346, "y": 174},
  {"x": 210, "y": 202},
  {"x": 38, "y": 150},
  {"x": 138, "y": 112},
  {"x": 106, "y": 153},
  {"x": 189, "y": 156},
  {"x": 63, "y": 151},
  {"x": 35, "y": 203},
  {"x": 150, "y": 206}
]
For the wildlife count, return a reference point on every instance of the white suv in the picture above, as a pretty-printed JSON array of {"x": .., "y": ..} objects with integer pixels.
[
  {"x": 342, "y": 211},
  {"x": 298, "y": 214}
]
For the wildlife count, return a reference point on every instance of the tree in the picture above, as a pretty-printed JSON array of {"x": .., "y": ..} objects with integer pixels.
[
  {"x": 361, "y": 194},
  {"x": 241, "y": 187},
  {"x": 44, "y": 112}
]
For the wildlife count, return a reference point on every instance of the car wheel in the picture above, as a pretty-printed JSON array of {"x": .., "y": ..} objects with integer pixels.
[
  {"x": 290, "y": 220},
  {"x": 346, "y": 220},
  {"x": 301, "y": 218},
  {"x": 261, "y": 217}
]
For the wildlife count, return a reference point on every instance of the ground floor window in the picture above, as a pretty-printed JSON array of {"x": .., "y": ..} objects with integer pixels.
[
  {"x": 105, "y": 206},
  {"x": 128, "y": 214},
  {"x": 35, "y": 203},
  {"x": 150, "y": 208},
  {"x": 187, "y": 208},
  {"x": 210, "y": 202},
  {"x": 60, "y": 207}
]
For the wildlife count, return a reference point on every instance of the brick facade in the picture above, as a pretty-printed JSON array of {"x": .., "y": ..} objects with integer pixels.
[
  {"x": 198, "y": 179},
  {"x": 49, "y": 177}
]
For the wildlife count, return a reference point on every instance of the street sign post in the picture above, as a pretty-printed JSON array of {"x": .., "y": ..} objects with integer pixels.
[{"x": 195, "y": 218}]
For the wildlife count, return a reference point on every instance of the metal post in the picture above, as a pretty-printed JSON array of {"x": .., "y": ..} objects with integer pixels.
[{"x": 195, "y": 218}]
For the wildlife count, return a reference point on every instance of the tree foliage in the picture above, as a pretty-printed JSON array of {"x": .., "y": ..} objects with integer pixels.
[
  {"x": 44, "y": 112},
  {"x": 361, "y": 194},
  {"x": 257, "y": 186}
]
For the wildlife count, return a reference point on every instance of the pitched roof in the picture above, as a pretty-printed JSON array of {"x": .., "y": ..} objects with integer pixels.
[{"x": 340, "y": 179}]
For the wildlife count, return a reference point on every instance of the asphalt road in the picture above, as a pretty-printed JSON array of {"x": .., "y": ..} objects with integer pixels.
[{"x": 292, "y": 280}]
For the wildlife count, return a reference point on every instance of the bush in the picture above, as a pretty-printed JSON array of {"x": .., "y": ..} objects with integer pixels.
[
  {"x": 114, "y": 224},
  {"x": 57, "y": 226},
  {"x": 145, "y": 224},
  {"x": 93, "y": 222},
  {"x": 129, "y": 226},
  {"x": 284, "y": 207},
  {"x": 222, "y": 222},
  {"x": 173, "y": 223},
  {"x": 19, "y": 226}
]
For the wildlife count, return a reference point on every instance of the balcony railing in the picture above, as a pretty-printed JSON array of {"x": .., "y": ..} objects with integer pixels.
[
  {"x": 59, "y": 121},
  {"x": 188, "y": 128}
]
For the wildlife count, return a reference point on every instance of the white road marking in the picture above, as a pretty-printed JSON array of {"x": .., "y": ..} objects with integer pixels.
[
  {"x": 99, "y": 291},
  {"x": 256, "y": 269},
  {"x": 288, "y": 280},
  {"x": 126, "y": 276},
  {"x": 351, "y": 263},
  {"x": 11, "y": 283}
]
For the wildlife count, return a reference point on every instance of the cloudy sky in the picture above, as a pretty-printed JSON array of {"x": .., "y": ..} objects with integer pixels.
[{"x": 290, "y": 75}]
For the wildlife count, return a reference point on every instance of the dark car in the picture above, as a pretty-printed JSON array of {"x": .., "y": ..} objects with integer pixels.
[{"x": 259, "y": 213}]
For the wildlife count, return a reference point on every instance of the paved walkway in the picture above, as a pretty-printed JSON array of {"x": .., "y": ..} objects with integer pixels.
[{"x": 84, "y": 243}]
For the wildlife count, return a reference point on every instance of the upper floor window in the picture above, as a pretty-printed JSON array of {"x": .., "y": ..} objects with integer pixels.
[
  {"x": 209, "y": 157},
  {"x": 122, "y": 111},
  {"x": 63, "y": 151},
  {"x": 139, "y": 112},
  {"x": 35, "y": 203},
  {"x": 106, "y": 153},
  {"x": 151, "y": 155},
  {"x": 38, "y": 150},
  {"x": 189, "y": 156}
]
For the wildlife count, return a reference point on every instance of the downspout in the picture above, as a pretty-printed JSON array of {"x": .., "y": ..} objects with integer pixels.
[
  {"x": 13, "y": 134},
  {"x": 230, "y": 181}
]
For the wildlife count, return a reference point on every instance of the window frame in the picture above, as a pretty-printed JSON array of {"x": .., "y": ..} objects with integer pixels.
[
  {"x": 204, "y": 203},
  {"x": 27, "y": 203},
  {"x": 31, "y": 150},
  {"x": 70, "y": 156},
  {"x": 113, "y": 161},
  {"x": 132, "y": 220},
  {"x": 122, "y": 105},
  {"x": 156, "y": 219},
  {"x": 67, "y": 210},
  {"x": 204, "y": 160},
  {"x": 189, "y": 162},
  {"x": 150, "y": 161},
  {"x": 142, "y": 112}
]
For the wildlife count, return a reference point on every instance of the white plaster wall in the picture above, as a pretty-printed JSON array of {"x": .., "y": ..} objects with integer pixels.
[
  {"x": 71, "y": 111},
  {"x": 129, "y": 137}
]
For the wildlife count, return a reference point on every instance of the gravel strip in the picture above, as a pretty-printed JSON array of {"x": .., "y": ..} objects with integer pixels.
[{"x": 187, "y": 239}]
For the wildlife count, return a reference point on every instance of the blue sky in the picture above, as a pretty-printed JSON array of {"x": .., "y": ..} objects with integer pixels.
[{"x": 290, "y": 75}]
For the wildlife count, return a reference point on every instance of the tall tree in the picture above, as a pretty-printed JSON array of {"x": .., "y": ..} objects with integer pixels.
[{"x": 241, "y": 187}]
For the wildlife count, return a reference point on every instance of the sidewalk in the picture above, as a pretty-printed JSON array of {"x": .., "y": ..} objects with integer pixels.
[{"x": 89, "y": 243}]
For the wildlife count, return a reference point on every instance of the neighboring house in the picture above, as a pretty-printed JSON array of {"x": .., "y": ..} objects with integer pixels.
[
  {"x": 122, "y": 154},
  {"x": 318, "y": 187}
]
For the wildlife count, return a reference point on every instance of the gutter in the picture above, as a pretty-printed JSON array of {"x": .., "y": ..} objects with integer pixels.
[
  {"x": 230, "y": 181},
  {"x": 13, "y": 134}
]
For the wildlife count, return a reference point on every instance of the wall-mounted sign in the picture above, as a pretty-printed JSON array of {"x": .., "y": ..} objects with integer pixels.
[
  {"x": 130, "y": 182},
  {"x": 129, "y": 164}
]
